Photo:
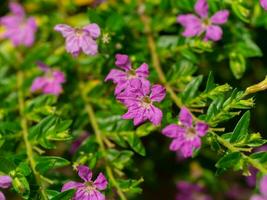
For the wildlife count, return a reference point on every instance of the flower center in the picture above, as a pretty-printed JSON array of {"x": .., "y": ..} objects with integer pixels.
[
  {"x": 78, "y": 32},
  {"x": 131, "y": 74},
  {"x": 190, "y": 133},
  {"x": 146, "y": 102},
  {"x": 206, "y": 22},
  {"x": 89, "y": 186}
]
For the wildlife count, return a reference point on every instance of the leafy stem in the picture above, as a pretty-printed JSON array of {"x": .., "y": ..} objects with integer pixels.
[
  {"x": 100, "y": 139},
  {"x": 24, "y": 126},
  {"x": 232, "y": 148}
]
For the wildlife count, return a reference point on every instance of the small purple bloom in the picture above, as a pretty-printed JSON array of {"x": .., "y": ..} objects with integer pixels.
[
  {"x": 189, "y": 191},
  {"x": 126, "y": 75},
  {"x": 77, "y": 143},
  {"x": 197, "y": 25},
  {"x": 264, "y": 4},
  {"x": 19, "y": 29},
  {"x": 50, "y": 83},
  {"x": 252, "y": 179},
  {"x": 139, "y": 101},
  {"x": 186, "y": 136},
  {"x": 262, "y": 189},
  {"x": 5, "y": 182},
  {"x": 80, "y": 39},
  {"x": 89, "y": 189}
]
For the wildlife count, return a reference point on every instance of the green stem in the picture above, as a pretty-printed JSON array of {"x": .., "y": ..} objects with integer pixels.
[
  {"x": 24, "y": 126},
  {"x": 155, "y": 58},
  {"x": 100, "y": 139}
]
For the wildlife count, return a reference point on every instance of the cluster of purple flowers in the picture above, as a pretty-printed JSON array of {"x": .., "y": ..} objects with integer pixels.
[
  {"x": 5, "y": 182},
  {"x": 135, "y": 92}
]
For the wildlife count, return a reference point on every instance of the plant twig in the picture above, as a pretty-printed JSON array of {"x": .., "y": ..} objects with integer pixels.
[
  {"x": 24, "y": 126},
  {"x": 100, "y": 139}
]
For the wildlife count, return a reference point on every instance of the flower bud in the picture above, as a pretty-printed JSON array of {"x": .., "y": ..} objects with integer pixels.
[{"x": 257, "y": 88}]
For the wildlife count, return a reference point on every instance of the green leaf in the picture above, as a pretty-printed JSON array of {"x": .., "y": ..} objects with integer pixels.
[
  {"x": 192, "y": 88},
  {"x": 237, "y": 64},
  {"x": 210, "y": 83},
  {"x": 229, "y": 160},
  {"x": 119, "y": 158},
  {"x": 241, "y": 11},
  {"x": 45, "y": 163},
  {"x": 135, "y": 143},
  {"x": 67, "y": 195},
  {"x": 260, "y": 157},
  {"x": 241, "y": 130},
  {"x": 21, "y": 186},
  {"x": 131, "y": 186}
]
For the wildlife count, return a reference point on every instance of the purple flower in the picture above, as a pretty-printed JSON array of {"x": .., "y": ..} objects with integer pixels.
[
  {"x": 197, "y": 25},
  {"x": 237, "y": 192},
  {"x": 252, "y": 179},
  {"x": 80, "y": 39},
  {"x": 186, "y": 136},
  {"x": 5, "y": 182},
  {"x": 50, "y": 83},
  {"x": 189, "y": 191},
  {"x": 77, "y": 143},
  {"x": 88, "y": 190},
  {"x": 262, "y": 189},
  {"x": 139, "y": 101},
  {"x": 19, "y": 29},
  {"x": 126, "y": 75},
  {"x": 264, "y": 4}
]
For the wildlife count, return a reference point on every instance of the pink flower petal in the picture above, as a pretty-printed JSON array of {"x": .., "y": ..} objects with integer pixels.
[
  {"x": 38, "y": 84},
  {"x": 88, "y": 45},
  {"x": 202, "y": 8},
  {"x": 16, "y": 9},
  {"x": 264, "y": 4},
  {"x": 214, "y": 33},
  {"x": 71, "y": 185},
  {"x": 93, "y": 29},
  {"x": 2, "y": 196},
  {"x": 5, "y": 181},
  {"x": 185, "y": 117},
  {"x": 173, "y": 131},
  {"x": 201, "y": 128},
  {"x": 85, "y": 173},
  {"x": 191, "y": 23},
  {"x": 142, "y": 71},
  {"x": 263, "y": 186},
  {"x": 155, "y": 115},
  {"x": 176, "y": 144},
  {"x": 101, "y": 182},
  {"x": 52, "y": 88},
  {"x": 187, "y": 151},
  {"x": 116, "y": 76},
  {"x": 123, "y": 62},
  {"x": 72, "y": 45},
  {"x": 220, "y": 17},
  {"x": 158, "y": 93},
  {"x": 65, "y": 30}
]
